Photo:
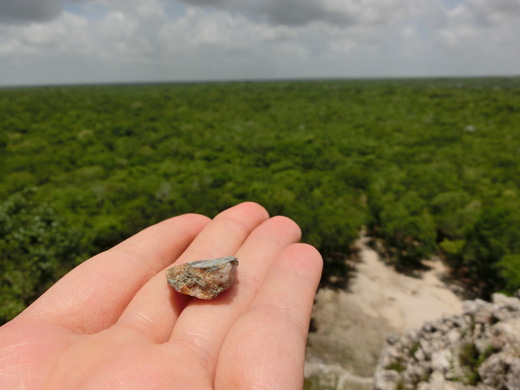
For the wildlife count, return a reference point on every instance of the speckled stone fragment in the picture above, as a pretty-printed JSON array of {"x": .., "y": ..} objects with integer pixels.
[{"x": 203, "y": 279}]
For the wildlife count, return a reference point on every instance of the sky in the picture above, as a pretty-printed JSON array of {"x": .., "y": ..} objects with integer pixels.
[{"x": 46, "y": 42}]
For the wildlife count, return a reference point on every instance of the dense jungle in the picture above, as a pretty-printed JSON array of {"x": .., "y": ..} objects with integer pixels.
[{"x": 427, "y": 167}]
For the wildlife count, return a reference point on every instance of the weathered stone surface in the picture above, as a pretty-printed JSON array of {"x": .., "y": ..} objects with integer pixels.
[
  {"x": 203, "y": 279},
  {"x": 479, "y": 349},
  {"x": 321, "y": 376}
]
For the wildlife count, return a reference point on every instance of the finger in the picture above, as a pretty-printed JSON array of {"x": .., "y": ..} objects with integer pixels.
[
  {"x": 275, "y": 326},
  {"x": 202, "y": 326},
  {"x": 93, "y": 295},
  {"x": 155, "y": 308}
]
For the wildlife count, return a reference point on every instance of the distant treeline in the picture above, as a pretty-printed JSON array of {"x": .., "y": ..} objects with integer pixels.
[{"x": 426, "y": 166}]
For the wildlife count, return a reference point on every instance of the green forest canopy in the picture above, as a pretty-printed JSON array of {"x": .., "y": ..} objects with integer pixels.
[{"x": 427, "y": 166}]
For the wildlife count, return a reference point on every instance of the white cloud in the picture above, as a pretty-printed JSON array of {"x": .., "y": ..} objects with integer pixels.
[
  {"x": 482, "y": 25},
  {"x": 139, "y": 40}
]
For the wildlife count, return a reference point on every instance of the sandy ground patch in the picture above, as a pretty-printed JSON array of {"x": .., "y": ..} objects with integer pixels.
[
  {"x": 352, "y": 325},
  {"x": 404, "y": 302}
]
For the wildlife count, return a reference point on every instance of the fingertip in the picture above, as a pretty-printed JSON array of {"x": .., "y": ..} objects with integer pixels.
[
  {"x": 247, "y": 208},
  {"x": 281, "y": 219},
  {"x": 197, "y": 221},
  {"x": 280, "y": 228},
  {"x": 189, "y": 224},
  {"x": 247, "y": 214},
  {"x": 194, "y": 216},
  {"x": 256, "y": 207},
  {"x": 304, "y": 256}
]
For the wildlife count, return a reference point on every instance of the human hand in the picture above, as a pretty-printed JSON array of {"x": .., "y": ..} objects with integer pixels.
[{"x": 114, "y": 323}]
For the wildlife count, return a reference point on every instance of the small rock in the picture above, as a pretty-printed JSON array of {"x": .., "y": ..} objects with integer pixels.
[
  {"x": 203, "y": 279},
  {"x": 469, "y": 306},
  {"x": 493, "y": 371},
  {"x": 482, "y": 344},
  {"x": 513, "y": 376},
  {"x": 419, "y": 355},
  {"x": 509, "y": 303},
  {"x": 437, "y": 381},
  {"x": 441, "y": 360},
  {"x": 392, "y": 338},
  {"x": 453, "y": 336},
  {"x": 385, "y": 380}
]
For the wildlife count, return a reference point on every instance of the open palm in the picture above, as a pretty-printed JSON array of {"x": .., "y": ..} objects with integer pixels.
[{"x": 114, "y": 323}]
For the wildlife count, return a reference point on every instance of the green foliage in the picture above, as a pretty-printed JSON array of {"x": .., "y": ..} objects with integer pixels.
[
  {"x": 315, "y": 383},
  {"x": 509, "y": 270},
  {"x": 471, "y": 359},
  {"x": 453, "y": 250},
  {"x": 397, "y": 365},
  {"x": 36, "y": 248},
  {"x": 468, "y": 355},
  {"x": 426, "y": 165},
  {"x": 493, "y": 245},
  {"x": 414, "y": 348}
]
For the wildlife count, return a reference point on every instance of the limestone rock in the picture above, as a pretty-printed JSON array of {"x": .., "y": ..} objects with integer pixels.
[
  {"x": 479, "y": 349},
  {"x": 203, "y": 279}
]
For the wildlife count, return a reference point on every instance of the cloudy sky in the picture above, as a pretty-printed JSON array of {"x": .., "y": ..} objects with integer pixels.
[{"x": 83, "y": 41}]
